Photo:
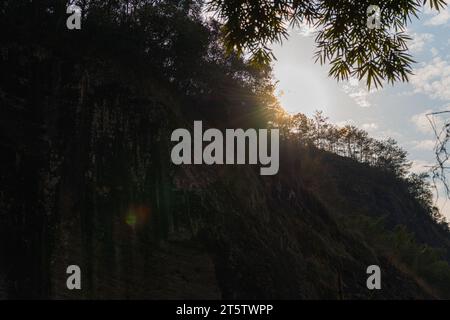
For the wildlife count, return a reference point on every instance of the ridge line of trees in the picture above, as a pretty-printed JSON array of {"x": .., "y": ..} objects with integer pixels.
[{"x": 352, "y": 142}]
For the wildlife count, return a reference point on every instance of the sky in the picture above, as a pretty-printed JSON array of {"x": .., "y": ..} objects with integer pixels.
[{"x": 397, "y": 111}]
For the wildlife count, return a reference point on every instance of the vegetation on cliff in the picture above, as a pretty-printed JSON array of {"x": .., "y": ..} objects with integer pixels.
[{"x": 86, "y": 176}]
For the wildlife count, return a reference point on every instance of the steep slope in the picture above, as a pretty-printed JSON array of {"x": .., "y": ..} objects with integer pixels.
[
  {"x": 349, "y": 187},
  {"x": 140, "y": 227},
  {"x": 86, "y": 175}
]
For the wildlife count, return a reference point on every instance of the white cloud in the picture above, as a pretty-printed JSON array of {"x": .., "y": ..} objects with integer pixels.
[
  {"x": 419, "y": 166},
  {"x": 348, "y": 122},
  {"x": 442, "y": 204},
  {"x": 306, "y": 30},
  {"x": 433, "y": 79},
  {"x": 369, "y": 126},
  {"x": 421, "y": 122},
  {"x": 439, "y": 119},
  {"x": 419, "y": 40},
  {"x": 357, "y": 92},
  {"x": 385, "y": 134},
  {"x": 439, "y": 18},
  {"x": 426, "y": 145},
  {"x": 434, "y": 51}
]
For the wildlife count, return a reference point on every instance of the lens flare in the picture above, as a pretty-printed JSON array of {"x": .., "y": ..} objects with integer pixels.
[{"x": 137, "y": 215}]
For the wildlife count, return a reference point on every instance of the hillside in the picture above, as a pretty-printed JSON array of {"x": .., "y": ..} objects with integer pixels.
[
  {"x": 86, "y": 178},
  {"x": 215, "y": 232}
]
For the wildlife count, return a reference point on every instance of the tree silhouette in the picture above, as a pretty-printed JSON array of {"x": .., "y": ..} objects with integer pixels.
[{"x": 343, "y": 38}]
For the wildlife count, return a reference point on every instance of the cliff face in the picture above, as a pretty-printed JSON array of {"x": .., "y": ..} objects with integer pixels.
[
  {"x": 86, "y": 178},
  {"x": 107, "y": 198}
]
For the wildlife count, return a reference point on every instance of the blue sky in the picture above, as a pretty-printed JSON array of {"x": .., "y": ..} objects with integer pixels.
[{"x": 394, "y": 111}]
